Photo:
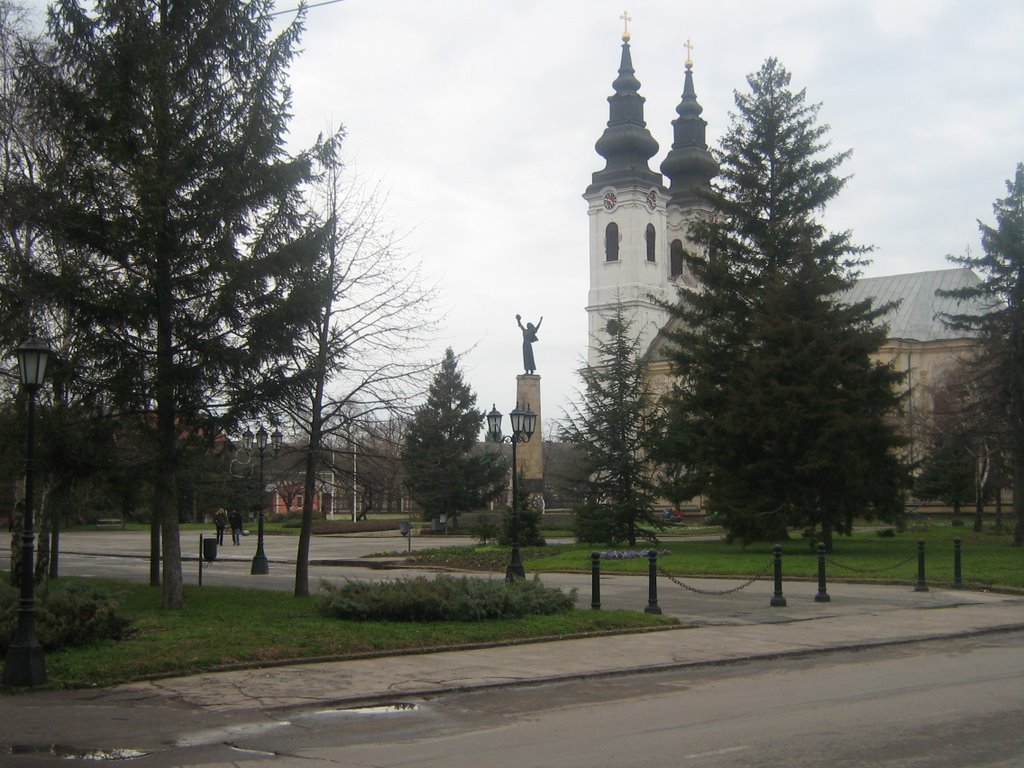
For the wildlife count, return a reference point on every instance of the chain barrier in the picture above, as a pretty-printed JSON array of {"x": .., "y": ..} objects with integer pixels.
[
  {"x": 850, "y": 568},
  {"x": 715, "y": 592}
]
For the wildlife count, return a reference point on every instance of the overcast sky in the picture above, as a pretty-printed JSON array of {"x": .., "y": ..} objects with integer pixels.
[{"x": 480, "y": 117}]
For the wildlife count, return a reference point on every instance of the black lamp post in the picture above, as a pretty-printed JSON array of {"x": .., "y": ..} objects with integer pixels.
[
  {"x": 260, "y": 564},
  {"x": 524, "y": 422},
  {"x": 25, "y": 664}
]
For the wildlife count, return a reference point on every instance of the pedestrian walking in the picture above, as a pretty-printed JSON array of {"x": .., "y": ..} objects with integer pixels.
[
  {"x": 220, "y": 520},
  {"x": 235, "y": 518}
]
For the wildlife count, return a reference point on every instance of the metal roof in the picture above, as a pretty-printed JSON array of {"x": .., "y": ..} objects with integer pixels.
[{"x": 918, "y": 315}]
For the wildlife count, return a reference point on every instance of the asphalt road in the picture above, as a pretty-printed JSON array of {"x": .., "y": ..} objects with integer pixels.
[
  {"x": 932, "y": 704},
  {"x": 937, "y": 704}
]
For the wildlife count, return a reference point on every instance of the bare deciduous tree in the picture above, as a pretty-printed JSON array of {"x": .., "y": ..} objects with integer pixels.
[{"x": 359, "y": 359}]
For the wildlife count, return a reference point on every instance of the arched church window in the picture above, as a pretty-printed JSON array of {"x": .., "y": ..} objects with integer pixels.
[
  {"x": 676, "y": 258},
  {"x": 611, "y": 242},
  {"x": 650, "y": 242}
]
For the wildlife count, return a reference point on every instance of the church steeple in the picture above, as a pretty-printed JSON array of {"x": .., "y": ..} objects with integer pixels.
[
  {"x": 626, "y": 144},
  {"x": 689, "y": 164}
]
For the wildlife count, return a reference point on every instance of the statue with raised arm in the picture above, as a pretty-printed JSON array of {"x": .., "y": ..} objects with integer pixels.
[{"x": 529, "y": 336}]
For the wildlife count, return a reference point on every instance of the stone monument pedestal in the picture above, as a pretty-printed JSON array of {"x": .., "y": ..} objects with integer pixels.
[{"x": 530, "y": 455}]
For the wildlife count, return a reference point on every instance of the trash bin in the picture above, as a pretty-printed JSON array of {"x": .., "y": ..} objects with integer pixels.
[{"x": 209, "y": 550}]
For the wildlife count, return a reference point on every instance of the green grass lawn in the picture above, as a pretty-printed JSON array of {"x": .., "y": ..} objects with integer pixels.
[
  {"x": 223, "y": 627},
  {"x": 988, "y": 559}
]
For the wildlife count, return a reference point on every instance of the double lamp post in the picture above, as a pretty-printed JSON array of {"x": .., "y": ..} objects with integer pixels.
[
  {"x": 260, "y": 564},
  {"x": 524, "y": 422}
]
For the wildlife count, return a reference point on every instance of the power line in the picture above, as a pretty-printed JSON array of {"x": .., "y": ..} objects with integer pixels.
[{"x": 308, "y": 7}]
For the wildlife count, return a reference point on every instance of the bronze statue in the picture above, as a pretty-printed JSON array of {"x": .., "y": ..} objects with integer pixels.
[{"x": 529, "y": 336}]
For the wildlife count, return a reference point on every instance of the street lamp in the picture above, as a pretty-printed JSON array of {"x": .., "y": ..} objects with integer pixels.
[
  {"x": 260, "y": 564},
  {"x": 524, "y": 422},
  {"x": 25, "y": 664}
]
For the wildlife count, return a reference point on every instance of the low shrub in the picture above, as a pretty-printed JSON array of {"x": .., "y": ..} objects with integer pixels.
[
  {"x": 596, "y": 524},
  {"x": 443, "y": 598},
  {"x": 528, "y": 528},
  {"x": 326, "y": 527},
  {"x": 484, "y": 530},
  {"x": 68, "y": 614}
]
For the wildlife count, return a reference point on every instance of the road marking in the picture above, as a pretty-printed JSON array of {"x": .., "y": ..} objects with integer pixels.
[{"x": 715, "y": 752}]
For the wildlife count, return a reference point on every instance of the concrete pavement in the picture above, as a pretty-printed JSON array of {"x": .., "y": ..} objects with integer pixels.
[
  {"x": 716, "y": 629},
  {"x": 357, "y": 682}
]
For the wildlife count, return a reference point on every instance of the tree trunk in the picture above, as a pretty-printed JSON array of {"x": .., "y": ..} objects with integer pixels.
[
  {"x": 826, "y": 537},
  {"x": 312, "y": 456},
  {"x": 17, "y": 528},
  {"x": 306, "y": 531},
  {"x": 173, "y": 593},
  {"x": 165, "y": 487},
  {"x": 1018, "y": 499},
  {"x": 55, "y": 508},
  {"x": 999, "y": 508},
  {"x": 42, "y": 564},
  {"x": 154, "y": 548}
]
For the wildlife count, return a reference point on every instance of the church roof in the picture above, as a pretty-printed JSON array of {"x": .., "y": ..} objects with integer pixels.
[{"x": 918, "y": 315}]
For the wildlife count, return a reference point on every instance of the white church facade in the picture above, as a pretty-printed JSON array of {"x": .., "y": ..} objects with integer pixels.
[{"x": 638, "y": 223}]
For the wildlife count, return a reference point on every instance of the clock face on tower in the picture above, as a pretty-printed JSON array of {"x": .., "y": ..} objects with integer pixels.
[
  {"x": 652, "y": 199},
  {"x": 610, "y": 200}
]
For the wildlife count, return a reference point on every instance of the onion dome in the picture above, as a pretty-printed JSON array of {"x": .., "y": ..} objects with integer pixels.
[
  {"x": 626, "y": 144},
  {"x": 689, "y": 165}
]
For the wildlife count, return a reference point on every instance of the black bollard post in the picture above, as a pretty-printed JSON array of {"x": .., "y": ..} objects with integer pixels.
[
  {"x": 958, "y": 581},
  {"x": 200, "y": 559},
  {"x": 652, "y": 582},
  {"x": 921, "y": 585},
  {"x": 778, "y": 601},
  {"x": 595, "y": 580},
  {"x": 822, "y": 596}
]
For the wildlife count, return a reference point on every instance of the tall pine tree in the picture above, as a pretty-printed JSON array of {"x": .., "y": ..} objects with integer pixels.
[
  {"x": 612, "y": 425},
  {"x": 779, "y": 408},
  {"x": 1001, "y": 325},
  {"x": 170, "y": 118},
  {"x": 445, "y": 473}
]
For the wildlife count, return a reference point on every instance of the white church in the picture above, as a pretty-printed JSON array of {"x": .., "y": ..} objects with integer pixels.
[{"x": 638, "y": 225}]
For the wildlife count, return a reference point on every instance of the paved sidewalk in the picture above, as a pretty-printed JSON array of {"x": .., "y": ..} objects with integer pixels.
[{"x": 938, "y": 614}]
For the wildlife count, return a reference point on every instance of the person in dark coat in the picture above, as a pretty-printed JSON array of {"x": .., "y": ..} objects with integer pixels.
[
  {"x": 235, "y": 518},
  {"x": 220, "y": 520}
]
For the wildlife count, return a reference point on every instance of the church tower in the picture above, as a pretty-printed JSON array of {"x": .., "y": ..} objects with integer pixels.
[
  {"x": 690, "y": 167},
  {"x": 626, "y": 205},
  {"x": 638, "y": 228}
]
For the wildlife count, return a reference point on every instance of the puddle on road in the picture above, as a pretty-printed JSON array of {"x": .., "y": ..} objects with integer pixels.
[
  {"x": 379, "y": 709},
  {"x": 72, "y": 753},
  {"x": 227, "y": 734},
  {"x": 250, "y": 751}
]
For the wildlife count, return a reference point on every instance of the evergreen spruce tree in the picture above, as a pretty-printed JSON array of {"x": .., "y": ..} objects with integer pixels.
[
  {"x": 445, "y": 472},
  {"x": 169, "y": 121},
  {"x": 1001, "y": 326},
  {"x": 778, "y": 408},
  {"x": 612, "y": 425},
  {"x": 527, "y": 522},
  {"x": 947, "y": 473}
]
